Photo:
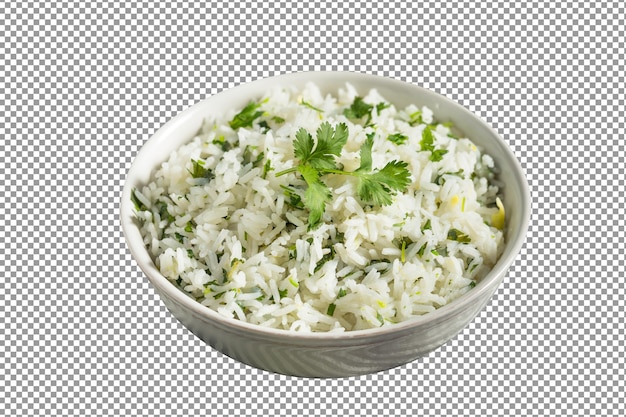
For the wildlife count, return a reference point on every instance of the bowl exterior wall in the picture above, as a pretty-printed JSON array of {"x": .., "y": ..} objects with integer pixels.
[{"x": 290, "y": 355}]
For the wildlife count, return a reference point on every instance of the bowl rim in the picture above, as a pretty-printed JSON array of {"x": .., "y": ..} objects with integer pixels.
[{"x": 489, "y": 283}]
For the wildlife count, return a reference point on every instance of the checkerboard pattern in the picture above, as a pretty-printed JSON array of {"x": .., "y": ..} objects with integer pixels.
[{"x": 84, "y": 84}]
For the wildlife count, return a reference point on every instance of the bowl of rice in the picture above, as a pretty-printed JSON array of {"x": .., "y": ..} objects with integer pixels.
[{"x": 325, "y": 224}]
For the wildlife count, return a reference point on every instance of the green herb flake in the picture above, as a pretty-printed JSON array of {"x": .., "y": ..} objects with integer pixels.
[
  {"x": 198, "y": 170},
  {"x": 381, "y": 106},
  {"x": 358, "y": 109},
  {"x": 380, "y": 318},
  {"x": 164, "y": 212},
  {"x": 327, "y": 257},
  {"x": 437, "y": 155},
  {"x": 310, "y": 106},
  {"x": 402, "y": 244},
  {"x": 293, "y": 282},
  {"x": 247, "y": 116},
  {"x": 440, "y": 180},
  {"x": 427, "y": 226},
  {"x": 457, "y": 235},
  {"x": 403, "y": 252},
  {"x": 331, "y": 309},
  {"x": 283, "y": 293},
  {"x": 139, "y": 206},
  {"x": 278, "y": 119},
  {"x": 415, "y": 118},
  {"x": 267, "y": 167},
  {"x": 264, "y": 126},
  {"x": 342, "y": 293},
  {"x": 421, "y": 250},
  {"x": 397, "y": 138},
  {"x": 472, "y": 284},
  {"x": 189, "y": 227},
  {"x": 293, "y": 253},
  {"x": 428, "y": 140}
]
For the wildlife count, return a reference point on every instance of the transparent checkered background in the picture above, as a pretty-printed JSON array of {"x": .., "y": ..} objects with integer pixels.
[{"x": 84, "y": 84}]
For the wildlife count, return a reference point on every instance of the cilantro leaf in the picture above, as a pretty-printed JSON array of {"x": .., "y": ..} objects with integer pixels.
[
  {"x": 246, "y": 117},
  {"x": 331, "y": 309},
  {"x": 316, "y": 195},
  {"x": 198, "y": 170},
  {"x": 358, "y": 109},
  {"x": 437, "y": 155},
  {"x": 416, "y": 118},
  {"x": 366, "y": 155},
  {"x": 139, "y": 205},
  {"x": 321, "y": 155},
  {"x": 456, "y": 234},
  {"x": 330, "y": 142},
  {"x": 381, "y": 106},
  {"x": 303, "y": 145},
  {"x": 397, "y": 138},
  {"x": 428, "y": 140},
  {"x": 378, "y": 187}
]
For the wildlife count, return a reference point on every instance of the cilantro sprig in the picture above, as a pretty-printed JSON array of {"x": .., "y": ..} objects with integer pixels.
[{"x": 317, "y": 158}]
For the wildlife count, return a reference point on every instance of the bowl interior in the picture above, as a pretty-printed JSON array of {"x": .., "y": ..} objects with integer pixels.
[{"x": 183, "y": 128}]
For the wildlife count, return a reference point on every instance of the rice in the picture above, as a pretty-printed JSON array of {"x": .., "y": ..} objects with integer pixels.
[{"x": 230, "y": 233}]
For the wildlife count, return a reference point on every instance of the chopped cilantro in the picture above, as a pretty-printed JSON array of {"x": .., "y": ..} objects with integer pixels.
[
  {"x": 397, "y": 138},
  {"x": 223, "y": 143},
  {"x": 428, "y": 140},
  {"x": 359, "y": 109},
  {"x": 331, "y": 309},
  {"x": 267, "y": 167},
  {"x": 310, "y": 106},
  {"x": 437, "y": 155},
  {"x": 457, "y": 235},
  {"x": 415, "y": 118},
  {"x": 295, "y": 199},
  {"x": 198, "y": 170},
  {"x": 164, "y": 212},
  {"x": 264, "y": 126},
  {"x": 139, "y": 206},
  {"x": 246, "y": 117},
  {"x": 421, "y": 250},
  {"x": 330, "y": 255}
]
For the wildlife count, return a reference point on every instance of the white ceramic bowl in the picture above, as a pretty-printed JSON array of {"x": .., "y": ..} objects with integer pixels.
[{"x": 329, "y": 354}]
